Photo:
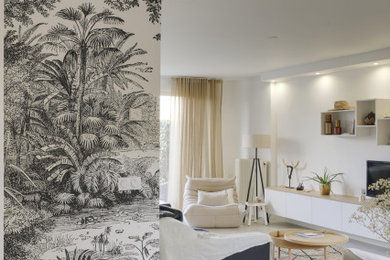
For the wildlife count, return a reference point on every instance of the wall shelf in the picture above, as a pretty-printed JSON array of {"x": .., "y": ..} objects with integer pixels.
[
  {"x": 346, "y": 118},
  {"x": 381, "y": 128},
  {"x": 383, "y": 132}
]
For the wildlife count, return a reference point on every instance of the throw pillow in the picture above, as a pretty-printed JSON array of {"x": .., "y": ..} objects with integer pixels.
[{"x": 217, "y": 198}]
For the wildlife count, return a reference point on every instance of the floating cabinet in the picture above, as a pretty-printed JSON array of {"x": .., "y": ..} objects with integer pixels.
[
  {"x": 276, "y": 208},
  {"x": 350, "y": 226},
  {"x": 327, "y": 211},
  {"x": 294, "y": 209}
]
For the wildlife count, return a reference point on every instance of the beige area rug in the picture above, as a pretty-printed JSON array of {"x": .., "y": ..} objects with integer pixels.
[{"x": 333, "y": 253}]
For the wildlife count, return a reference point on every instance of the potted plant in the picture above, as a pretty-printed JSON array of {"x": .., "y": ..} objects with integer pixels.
[{"x": 325, "y": 181}]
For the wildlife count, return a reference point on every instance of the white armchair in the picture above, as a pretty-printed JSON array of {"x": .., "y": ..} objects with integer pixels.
[{"x": 197, "y": 215}]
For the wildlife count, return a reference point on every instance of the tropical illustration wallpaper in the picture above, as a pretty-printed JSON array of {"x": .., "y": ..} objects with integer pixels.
[{"x": 81, "y": 129}]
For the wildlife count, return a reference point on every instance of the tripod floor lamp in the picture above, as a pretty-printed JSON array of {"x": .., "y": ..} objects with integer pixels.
[{"x": 262, "y": 142}]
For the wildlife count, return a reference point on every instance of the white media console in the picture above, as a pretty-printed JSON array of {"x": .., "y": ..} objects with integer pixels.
[{"x": 332, "y": 211}]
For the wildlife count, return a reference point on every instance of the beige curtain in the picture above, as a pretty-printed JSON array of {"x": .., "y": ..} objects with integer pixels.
[{"x": 195, "y": 133}]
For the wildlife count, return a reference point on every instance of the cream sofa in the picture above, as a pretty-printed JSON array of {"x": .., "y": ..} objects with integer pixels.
[{"x": 197, "y": 215}]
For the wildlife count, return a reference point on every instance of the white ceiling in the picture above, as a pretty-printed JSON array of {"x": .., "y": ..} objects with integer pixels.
[{"x": 233, "y": 38}]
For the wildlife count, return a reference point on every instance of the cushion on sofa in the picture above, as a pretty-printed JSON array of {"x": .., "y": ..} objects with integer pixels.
[{"x": 215, "y": 198}]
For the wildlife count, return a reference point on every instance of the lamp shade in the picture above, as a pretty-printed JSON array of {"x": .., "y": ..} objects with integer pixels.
[{"x": 256, "y": 141}]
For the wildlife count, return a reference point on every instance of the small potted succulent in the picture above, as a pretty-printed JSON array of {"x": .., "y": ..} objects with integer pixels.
[{"x": 325, "y": 181}]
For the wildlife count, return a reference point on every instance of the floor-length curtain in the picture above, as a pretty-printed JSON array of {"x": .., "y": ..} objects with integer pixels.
[{"x": 195, "y": 133}]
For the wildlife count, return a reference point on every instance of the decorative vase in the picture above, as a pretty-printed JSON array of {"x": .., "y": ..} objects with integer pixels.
[{"x": 325, "y": 189}]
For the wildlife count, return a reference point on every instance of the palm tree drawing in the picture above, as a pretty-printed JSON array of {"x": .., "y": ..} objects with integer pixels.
[
  {"x": 83, "y": 38},
  {"x": 112, "y": 65},
  {"x": 77, "y": 111},
  {"x": 61, "y": 74}
]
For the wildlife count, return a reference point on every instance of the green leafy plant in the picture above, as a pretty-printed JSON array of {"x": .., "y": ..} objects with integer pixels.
[
  {"x": 326, "y": 179},
  {"x": 85, "y": 255}
]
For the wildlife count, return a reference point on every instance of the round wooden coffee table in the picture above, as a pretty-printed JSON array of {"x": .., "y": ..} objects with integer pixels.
[{"x": 288, "y": 239}]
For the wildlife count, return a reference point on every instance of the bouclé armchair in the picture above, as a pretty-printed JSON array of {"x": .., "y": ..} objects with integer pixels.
[{"x": 198, "y": 215}]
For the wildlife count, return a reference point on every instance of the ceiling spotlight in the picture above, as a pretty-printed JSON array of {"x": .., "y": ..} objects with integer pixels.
[
  {"x": 317, "y": 73},
  {"x": 376, "y": 63}
]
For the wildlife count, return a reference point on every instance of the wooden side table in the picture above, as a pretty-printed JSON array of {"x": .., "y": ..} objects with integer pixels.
[
  {"x": 289, "y": 239},
  {"x": 252, "y": 211}
]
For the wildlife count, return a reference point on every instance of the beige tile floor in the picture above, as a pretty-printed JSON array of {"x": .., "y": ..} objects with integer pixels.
[{"x": 280, "y": 223}]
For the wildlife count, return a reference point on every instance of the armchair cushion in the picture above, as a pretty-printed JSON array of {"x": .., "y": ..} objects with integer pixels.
[{"x": 215, "y": 198}]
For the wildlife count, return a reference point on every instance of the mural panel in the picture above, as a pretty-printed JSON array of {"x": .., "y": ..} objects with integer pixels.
[{"x": 81, "y": 129}]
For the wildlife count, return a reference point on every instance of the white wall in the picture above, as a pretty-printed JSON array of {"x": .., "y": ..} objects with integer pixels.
[
  {"x": 245, "y": 110},
  {"x": 297, "y": 125},
  {"x": 165, "y": 86}
]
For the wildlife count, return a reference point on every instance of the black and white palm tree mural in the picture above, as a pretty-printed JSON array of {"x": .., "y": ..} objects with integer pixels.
[
  {"x": 70, "y": 91},
  {"x": 81, "y": 42}
]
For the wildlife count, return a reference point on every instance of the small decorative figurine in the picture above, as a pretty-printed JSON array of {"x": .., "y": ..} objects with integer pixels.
[
  {"x": 290, "y": 169},
  {"x": 370, "y": 119}
]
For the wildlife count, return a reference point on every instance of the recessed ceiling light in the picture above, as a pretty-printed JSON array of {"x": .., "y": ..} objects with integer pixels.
[
  {"x": 376, "y": 63},
  {"x": 317, "y": 73},
  {"x": 273, "y": 37}
]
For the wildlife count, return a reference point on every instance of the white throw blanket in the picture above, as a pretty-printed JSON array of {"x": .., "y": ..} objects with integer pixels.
[{"x": 180, "y": 242}]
